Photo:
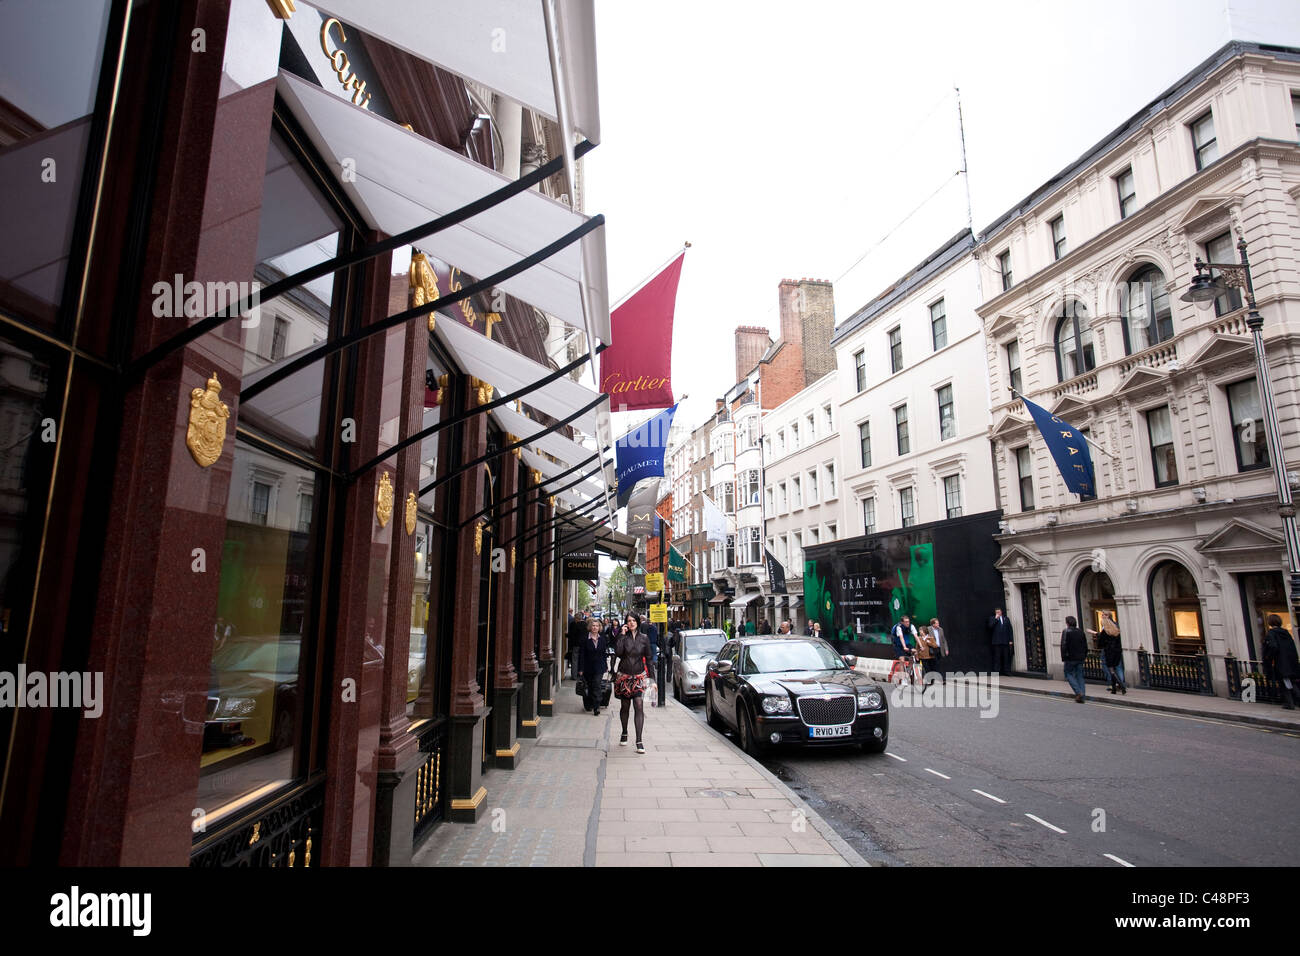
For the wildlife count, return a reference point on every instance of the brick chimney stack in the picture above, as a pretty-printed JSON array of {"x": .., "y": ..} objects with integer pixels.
[{"x": 752, "y": 341}]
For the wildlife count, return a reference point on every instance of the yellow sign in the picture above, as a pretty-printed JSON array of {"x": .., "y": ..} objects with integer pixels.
[
  {"x": 654, "y": 582},
  {"x": 658, "y": 613}
]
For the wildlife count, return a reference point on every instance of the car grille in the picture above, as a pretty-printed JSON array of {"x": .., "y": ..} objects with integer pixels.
[{"x": 825, "y": 711}]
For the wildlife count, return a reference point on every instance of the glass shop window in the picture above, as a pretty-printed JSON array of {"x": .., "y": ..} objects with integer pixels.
[{"x": 50, "y": 61}]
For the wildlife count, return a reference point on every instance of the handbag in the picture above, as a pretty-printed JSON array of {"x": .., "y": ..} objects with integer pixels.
[{"x": 581, "y": 687}]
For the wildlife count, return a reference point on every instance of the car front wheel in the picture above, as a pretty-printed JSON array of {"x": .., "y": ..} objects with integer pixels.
[{"x": 748, "y": 738}]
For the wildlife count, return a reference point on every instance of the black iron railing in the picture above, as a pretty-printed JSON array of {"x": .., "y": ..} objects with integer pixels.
[
  {"x": 1189, "y": 673},
  {"x": 1094, "y": 670},
  {"x": 284, "y": 833},
  {"x": 428, "y": 783},
  {"x": 1264, "y": 688}
]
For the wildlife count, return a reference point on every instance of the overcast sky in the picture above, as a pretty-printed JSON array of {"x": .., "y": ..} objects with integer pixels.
[{"x": 785, "y": 140}]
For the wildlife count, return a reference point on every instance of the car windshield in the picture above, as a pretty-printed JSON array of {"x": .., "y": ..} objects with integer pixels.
[
  {"x": 703, "y": 645},
  {"x": 775, "y": 656}
]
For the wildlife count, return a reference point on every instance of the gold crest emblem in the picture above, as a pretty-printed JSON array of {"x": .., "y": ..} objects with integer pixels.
[
  {"x": 384, "y": 500},
  {"x": 512, "y": 556},
  {"x": 478, "y": 537},
  {"x": 442, "y": 387},
  {"x": 410, "y": 513},
  {"x": 207, "y": 428},
  {"x": 424, "y": 284}
]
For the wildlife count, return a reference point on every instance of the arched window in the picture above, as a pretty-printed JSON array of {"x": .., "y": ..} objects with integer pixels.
[
  {"x": 1074, "y": 354},
  {"x": 1175, "y": 610},
  {"x": 1144, "y": 302}
]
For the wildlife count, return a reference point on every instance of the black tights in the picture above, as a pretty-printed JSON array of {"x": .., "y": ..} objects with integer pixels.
[{"x": 640, "y": 715}]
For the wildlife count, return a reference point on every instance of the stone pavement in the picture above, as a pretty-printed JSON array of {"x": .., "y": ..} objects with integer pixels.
[
  {"x": 1200, "y": 705},
  {"x": 579, "y": 799}
]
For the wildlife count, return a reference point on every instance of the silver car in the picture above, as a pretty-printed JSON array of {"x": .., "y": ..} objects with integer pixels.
[{"x": 694, "y": 650}]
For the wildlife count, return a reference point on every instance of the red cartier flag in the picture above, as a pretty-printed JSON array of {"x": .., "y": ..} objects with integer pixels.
[{"x": 636, "y": 369}]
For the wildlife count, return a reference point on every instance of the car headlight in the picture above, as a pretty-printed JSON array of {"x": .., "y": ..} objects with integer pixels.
[
  {"x": 776, "y": 705},
  {"x": 237, "y": 707},
  {"x": 693, "y": 672},
  {"x": 869, "y": 700}
]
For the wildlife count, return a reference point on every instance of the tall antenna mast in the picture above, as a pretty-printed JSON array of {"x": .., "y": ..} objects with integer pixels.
[{"x": 965, "y": 173}]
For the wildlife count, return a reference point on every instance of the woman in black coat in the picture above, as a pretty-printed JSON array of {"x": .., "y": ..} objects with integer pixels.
[
  {"x": 593, "y": 659},
  {"x": 1280, "y": 660}
]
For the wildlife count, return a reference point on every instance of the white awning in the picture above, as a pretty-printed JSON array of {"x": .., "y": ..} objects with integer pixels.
[
  {"x": 743, "y": 600},
  {"x": 398, "y": 180},
  {"x": 507, "y": 371},
  {"x": 553, "y": 444},
  {"x": 550, "y": 469},
  {"x": 499, "y": 44}
]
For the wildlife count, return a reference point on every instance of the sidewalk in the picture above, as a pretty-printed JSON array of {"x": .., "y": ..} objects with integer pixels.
[
  {"x": 579, "y": 799},
  {"x": 1200, "y": 705}
]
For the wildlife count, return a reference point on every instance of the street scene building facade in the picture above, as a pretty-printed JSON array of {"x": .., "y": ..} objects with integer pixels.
[{"x": 1085, "y": 317}]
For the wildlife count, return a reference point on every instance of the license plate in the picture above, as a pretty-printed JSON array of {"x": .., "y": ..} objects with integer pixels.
[{"x": 844, "y": 731}]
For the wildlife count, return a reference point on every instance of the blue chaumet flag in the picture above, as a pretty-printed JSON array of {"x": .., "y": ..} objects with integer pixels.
[
  {"x": 640, "y": 453},
  {"x": 1068, "y": 448}
]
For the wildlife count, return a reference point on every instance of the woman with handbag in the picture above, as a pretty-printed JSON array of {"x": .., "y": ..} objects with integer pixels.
[
  {"x": 593, "y": 660},
  {"x": 632, "y": 674}
]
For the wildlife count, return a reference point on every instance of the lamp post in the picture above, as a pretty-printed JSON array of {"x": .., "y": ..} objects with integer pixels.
[{"x": 1204, "y": 290}]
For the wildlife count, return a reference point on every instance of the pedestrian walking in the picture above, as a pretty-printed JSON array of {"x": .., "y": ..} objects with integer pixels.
[
  {"x": 1112, "y": 654},
  {"x": 1000, "y": 636},
  {"x": 785, "y": 628},
  {"x": 940, "y": 646},
  {"x": 632, "y": 675},
  {"x": 1074, "y": 651},
  {"x": 928, "y": 650},
  {"x": 765, "y": 627},
  {"x": 816, "y": 629},
  {"x": 594, "y": 661},
  {"x": 1280, "y": 661}
]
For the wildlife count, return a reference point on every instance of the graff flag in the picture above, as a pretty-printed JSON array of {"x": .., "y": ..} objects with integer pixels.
[
  {"x": 636, "y": 368},
  {"x": 640, "y": 453},
  {"x": 1068, "y": 448}
]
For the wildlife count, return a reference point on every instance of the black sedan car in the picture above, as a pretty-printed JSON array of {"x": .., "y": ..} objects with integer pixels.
[{"x": 793, "y": 691}]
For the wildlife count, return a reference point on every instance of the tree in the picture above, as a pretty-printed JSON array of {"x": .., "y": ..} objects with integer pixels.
[
  {"x": 616, "y": 587},
  {"x": 584, "y": 595}
]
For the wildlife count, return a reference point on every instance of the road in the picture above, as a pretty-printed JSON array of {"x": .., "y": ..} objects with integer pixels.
[{"x": 1049, "y": 782}]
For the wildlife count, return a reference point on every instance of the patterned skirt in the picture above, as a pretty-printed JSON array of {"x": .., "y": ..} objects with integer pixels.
[{"x": 627, "y": 686}]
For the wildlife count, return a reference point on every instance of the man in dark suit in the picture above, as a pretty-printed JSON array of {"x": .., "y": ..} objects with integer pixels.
[{"x": 1001, "y": 635}]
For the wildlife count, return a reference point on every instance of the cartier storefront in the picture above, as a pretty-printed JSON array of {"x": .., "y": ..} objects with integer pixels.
[{"x": 289, "y": 489}]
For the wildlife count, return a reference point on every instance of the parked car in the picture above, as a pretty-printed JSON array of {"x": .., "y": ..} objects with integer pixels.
[
  {"x": 695, "y": 649},
  {"x": 796, "y": 691},
  {"x": 253, "y": 696}
]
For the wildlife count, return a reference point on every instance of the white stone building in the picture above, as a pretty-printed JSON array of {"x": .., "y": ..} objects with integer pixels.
[
  {"x": 801, "y": 499},
  {"x": 913, "y": 407},
  {"x": 1083, "y": 280}
]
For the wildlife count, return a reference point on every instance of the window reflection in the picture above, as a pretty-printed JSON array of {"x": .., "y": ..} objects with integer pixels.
[
  {"x": 51, "y": 58},
  {"x": 255, "y": 699}
]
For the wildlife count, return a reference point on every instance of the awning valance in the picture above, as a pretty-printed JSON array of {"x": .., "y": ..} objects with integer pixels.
[
  {"x": 550, "y": 469},
  {"x": 553, "y": 444},
  {"x": 398, "y": 180},
  {"x": 743, "y": 600},
  {"x": 720, "y": 599},
  {"x": 500, "y": 44}
]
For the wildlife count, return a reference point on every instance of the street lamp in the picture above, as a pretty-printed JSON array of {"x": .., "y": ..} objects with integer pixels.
[{"x": 1204, "y": 290}]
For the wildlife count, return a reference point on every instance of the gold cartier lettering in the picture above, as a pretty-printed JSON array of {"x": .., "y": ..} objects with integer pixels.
[{"x": 342, "y": 66}]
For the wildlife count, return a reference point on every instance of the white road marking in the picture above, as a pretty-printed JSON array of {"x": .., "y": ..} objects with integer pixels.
[
  {"x": 1112, "y": 856},
  {"x": 989, "y": 795},
  {"x": 895, "y": 756},
  {"x": 937, "y": 773},
  {"x": 1044, "y": 823}
]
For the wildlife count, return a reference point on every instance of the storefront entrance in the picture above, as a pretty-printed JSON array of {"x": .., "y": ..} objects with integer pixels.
[
  {"x": 1176, "y": 626},
  {"x": 1032, "y": 627}
]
